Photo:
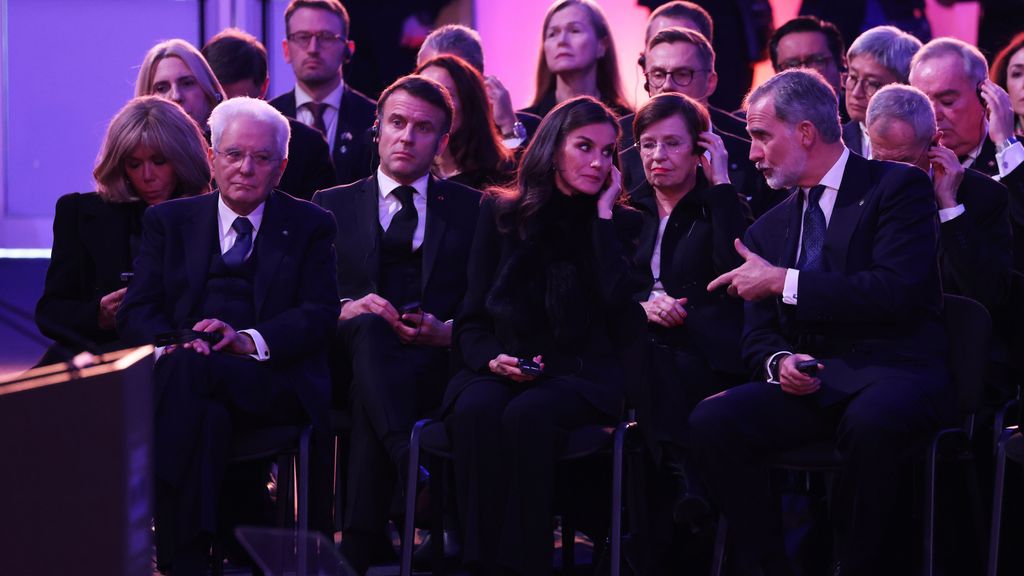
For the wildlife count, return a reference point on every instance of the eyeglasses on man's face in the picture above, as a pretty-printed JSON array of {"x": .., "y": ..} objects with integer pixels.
[
  {"x": 235, "y": 157},
  {"x": 681, "y": 77},
  {"x": 324, "y": 38}
]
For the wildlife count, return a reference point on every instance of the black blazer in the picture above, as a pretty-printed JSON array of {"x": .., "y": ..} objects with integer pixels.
[
  {"x": 353, "y": 143},
  {"x": 296, "y": 296},
  {"x": 451, "y": 218},
  {"x": 309, "y": 162},
  {"x": 696, "y": 248},
  {"x": 508, "y": 275},
  {"x": 880, "y": 300},
  {"x": 92, "y": 246},
  {"x": 976, "y": 247},
  {"x": 853, "y": 137},
  {"x": 1014, "y": 181}
]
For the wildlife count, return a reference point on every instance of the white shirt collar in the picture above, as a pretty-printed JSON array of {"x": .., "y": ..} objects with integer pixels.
[
  {"x": 333, "y": 99},
  {"x": 834, "y": 177},
  {"x": 386, "y": 184},
  {"x": 226, "y": 217}
]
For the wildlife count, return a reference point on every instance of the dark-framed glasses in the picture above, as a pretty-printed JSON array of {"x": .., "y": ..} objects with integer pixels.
[
  {"x": 236, "y": 157},
  {"x": 323, "y": 38},
  {"x": 868, "y": 85},
  {"x": 681, "y": 77},
  {"x": 815, "y": 61}
]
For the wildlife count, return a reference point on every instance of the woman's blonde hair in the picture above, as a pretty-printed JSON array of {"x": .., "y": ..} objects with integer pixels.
[
  {"x": 192, "y": 58},
  {"x": 164, "y": 127}
]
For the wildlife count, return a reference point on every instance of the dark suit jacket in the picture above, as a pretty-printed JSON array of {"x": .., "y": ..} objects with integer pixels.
[
  {"x": 742, "y": 173},
  {"x": 309, "y": 162},
  {"x": 1014, "y": 182},
  {"x": 976, "y": 247},
  {"x": 295, "y": 293},
  {"x": 353, "y": 143},
  {"x": 880, "y": 300},
  {"x": 91, "y": 248},
  {"x": 696, "y": 248},
  {"x": 853, "y": 137},
  {"x": 451, "y": 218}
]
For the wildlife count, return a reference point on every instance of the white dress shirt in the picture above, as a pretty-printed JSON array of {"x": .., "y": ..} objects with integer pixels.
[
  {"x": 333, "y": 101},
  {"x": 388, "y": 204},
  {"x": 227, "y": 235}
]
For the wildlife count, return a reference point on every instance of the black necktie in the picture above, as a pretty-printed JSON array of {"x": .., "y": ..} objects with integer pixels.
[
  {"x": 398, "y": 237},
  {"x": 813, "y": 243},
  {"x": 243, "y": 242},
  {"x": 317, "y": 109}
]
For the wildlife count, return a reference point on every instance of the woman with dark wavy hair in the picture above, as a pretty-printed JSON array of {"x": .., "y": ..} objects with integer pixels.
[
  {"x": 475, "y": 155},
  {"x": 577, "y": 58},
  {"x": 152, "y": 152},
  {"x": 1008, "y": 72},
  {"x": 548, "y": 290}
]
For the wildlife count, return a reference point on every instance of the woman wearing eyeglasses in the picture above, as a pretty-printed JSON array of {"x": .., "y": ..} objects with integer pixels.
[
  {"x": 152, "y": 152},
  {"x": 175, "y": 70},
  {"x": 577, "y": 58},
  {"x": 691, "y": 216}
]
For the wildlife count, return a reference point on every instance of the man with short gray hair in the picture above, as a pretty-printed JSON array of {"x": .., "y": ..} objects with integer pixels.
[
  {"x": 878, "y": 57},
  {"x": 242, "y": 282},
  {"x": 975, "y": 235},
  {"x": 975, "y": 118},
  {"x": 842, "y": 320}
]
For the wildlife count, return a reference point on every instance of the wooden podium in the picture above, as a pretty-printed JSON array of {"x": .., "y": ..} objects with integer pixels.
[{"x": 76, "y": 485}]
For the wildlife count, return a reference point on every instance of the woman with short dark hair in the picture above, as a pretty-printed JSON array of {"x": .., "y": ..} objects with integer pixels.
[
  {"x": 691, "y": 216},
  {"x": 152, "y": 152},
  {"x": 548, "y": 289}
]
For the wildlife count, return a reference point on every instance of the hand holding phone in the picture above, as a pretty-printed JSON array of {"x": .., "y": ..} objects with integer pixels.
[
  {"x": 808, "y": 367},
  {"x": 183, "y": 336},
  {"x": 529, "y": 367}
]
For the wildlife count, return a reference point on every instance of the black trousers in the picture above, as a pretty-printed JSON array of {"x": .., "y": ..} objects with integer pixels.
[
  {"x": 201, "y": 401},
  {"x": 505, "y": 440},
  {"x": 878, "y": 431},
  {"x": 391, "y": 385}
]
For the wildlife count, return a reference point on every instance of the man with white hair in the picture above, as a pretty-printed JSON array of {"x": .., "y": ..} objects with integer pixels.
[
  {"x": 878, "y": 57},
  {"x": 975, "y": 119},
  {"x": 252, "y": 270},
  {"x": 842, "y": 319},
  {"x": 974, "y": 231}
]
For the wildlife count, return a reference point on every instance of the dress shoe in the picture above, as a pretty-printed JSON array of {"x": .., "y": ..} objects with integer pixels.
[
  {"x": 1015, "y": 447},
  {"x": 423, "y": 556},
  {"x": 362, "y": 550}
]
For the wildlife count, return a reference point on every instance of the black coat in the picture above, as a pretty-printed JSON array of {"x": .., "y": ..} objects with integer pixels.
[{"x": 309, "y": 162}]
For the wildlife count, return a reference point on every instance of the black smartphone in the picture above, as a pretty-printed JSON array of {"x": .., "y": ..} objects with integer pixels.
[
  {"x": 808, "y": 367},
  {"x": 410, "y": 308},
  {"x": 126, "y": 277},
  {"x": 529, "y": 367},
  {"x": 187, "y": 335}
]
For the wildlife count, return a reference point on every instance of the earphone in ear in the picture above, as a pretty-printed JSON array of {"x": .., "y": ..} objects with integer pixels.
[
  {"x": 375, "y": 131},
  {"x": 642, "y": 62}
]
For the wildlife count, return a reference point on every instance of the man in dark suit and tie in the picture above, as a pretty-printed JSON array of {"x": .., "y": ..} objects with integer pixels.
[
  {"x": 240, "y": 63},
  {"x": 317, "y": 47},
  {"x": 975, "y": 117},
  {"x": 842, "y": 274},
  {"x": 402, "y": 250},
  {"x": 253, "y": 266}
]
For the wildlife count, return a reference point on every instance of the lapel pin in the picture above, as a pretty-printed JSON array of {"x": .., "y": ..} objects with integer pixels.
[
  {"x": 284, "y": 232},
  {"x": 861, "y": 203},
  {"x": 344, "y": 149}
]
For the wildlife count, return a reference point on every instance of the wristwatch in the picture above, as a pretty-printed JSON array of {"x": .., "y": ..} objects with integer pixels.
[{"x": 518, "y": 131}]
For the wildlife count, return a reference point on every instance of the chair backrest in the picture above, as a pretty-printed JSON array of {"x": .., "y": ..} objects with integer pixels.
[
  {"x": 1012, "y": 322},
  {"x": 969, "y": 328}
]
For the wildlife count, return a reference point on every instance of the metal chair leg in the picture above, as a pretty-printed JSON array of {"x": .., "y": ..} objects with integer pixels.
[
  {"x": 718, "y": 560},
  {"x": 928, "y": 562},
  {"x": 408, "y": 530},
  {"x": 618, "y": 450},
  {"x": 997, "y": 506}
]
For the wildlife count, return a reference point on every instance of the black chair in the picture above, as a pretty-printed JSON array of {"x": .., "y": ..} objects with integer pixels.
[
  {"x": 969, "y": 328},
  {"x": 431, "y": 437},
  {"x": 290, "y": 444},
  {"x": 341, "y": 426}
]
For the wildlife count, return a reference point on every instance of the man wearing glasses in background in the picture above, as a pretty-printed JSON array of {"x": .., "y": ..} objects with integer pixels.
[
  {"x": 878, "y": 57},
  {"x": 317, "y": 47},
  {"x": 808, "y": 42}
]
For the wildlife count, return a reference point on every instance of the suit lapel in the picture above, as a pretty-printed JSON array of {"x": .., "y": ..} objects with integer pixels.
[
  {"x": 437, "y": 221},
  {"x": 846, "y": 212},
  {"x": 271, "y": 244},
  {"x": 202, "y": 234},
  {"x": 791, "y": 239},
  {"x": 367, "y": 221},
  {"x": 288, "y": 107}
]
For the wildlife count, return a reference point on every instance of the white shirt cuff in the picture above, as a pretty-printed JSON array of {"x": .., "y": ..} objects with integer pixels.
[
  {"x": 1010, "y": 158},
  {"x": 947, "y": 214},
  {"x": 774, "y": 378},
  {"x": 262, "y": 351},
  {"x": 789, "y": 289}
]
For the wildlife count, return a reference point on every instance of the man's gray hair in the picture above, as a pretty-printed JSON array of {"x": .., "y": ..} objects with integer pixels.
[
  {"x": 252, "y": 109},
  {"x": 802, "y": 94},
  {"x": 975, "y": 64},
  {"x": 907, "y": 104},
  {"x": 889, "y": 46},
  {"x": 456, "y": 39}
]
